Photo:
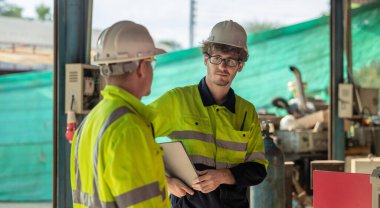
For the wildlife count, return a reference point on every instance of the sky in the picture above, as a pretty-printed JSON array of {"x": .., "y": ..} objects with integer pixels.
[{"x": 169, "y": 19}]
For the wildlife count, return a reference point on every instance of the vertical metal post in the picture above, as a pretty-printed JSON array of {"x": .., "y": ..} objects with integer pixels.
[
  {"x": 72, "y": 32},
  {"x": 348, "y": 40},
  {"x": 336, "y": 129},
  {"x": 192, "y": 22}
]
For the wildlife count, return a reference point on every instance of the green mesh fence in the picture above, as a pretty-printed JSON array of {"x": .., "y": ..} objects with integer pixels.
[
  {"x": 26, "y": 111},
  {"x": 266, "y": 74},
  {"x": 26, "y": 150}
]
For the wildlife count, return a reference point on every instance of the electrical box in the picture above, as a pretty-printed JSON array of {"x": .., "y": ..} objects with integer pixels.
[
  {"x": 366, "y": 101},
  {"x": 82, "y": 87},
  {"x": 345, "y": 103}
]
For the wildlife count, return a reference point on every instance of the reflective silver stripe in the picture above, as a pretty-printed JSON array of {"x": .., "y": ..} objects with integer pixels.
[
  {"x": 86, "y": 200},
  {"x": 76, "y": 167},
  {"x": 229, "y": 145},
  {"x": 77, "y": 143},
  {"x": 198, "y": 159},
  {"x": 138, "y": 195},
  {"x": 81, "y": 198},
  {"x": 255, "y": 156},
  {"x": 220, "y": 165},
  {"x": 116, "y": 114},
  {"x": 192, "y": 135},
  {"x": 163, "y": 194},
  {"x": 236, "y": 146}
]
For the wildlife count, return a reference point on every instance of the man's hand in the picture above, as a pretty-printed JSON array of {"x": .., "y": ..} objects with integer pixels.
[
  {"x": 211, "y": 179},
  {"x": 177, "y": 188}
]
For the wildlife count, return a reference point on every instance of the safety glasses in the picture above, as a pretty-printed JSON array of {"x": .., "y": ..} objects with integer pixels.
[{"x": 230, "y": 62}]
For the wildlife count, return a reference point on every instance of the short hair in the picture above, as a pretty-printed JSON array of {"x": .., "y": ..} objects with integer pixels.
[{"x": 210, "y": 47}]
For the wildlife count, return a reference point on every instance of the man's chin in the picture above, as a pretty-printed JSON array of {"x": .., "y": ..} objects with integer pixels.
[
  {"x": 221, "y": 83},
  {"x": 148, "y": 93}
]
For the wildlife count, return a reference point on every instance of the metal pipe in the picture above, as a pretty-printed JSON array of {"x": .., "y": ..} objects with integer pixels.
[
  {"x": 55, "y": 109},
  {"x": 301, "y": 92},
  {"x": 336, "y": 138},
  {"x": 192, "y": 22}
]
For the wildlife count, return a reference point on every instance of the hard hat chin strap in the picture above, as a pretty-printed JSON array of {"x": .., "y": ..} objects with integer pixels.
[{"x": 107, "y": 70}]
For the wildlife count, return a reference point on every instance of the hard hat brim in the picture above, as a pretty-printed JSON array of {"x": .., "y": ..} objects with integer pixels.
[
  {"x": 157, "y": 51},
  {"x": 220, "y": 42}
]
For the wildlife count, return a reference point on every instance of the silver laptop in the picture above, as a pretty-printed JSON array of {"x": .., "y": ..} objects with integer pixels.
[{"x": 177, "y": 162}]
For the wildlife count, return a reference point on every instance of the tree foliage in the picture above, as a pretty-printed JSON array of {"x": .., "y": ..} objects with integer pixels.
[
  {"x": 43, "y": 12},
  {"x": 10, "y": 10}
]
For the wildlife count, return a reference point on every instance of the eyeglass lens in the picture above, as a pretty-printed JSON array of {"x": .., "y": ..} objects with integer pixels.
[{"x": 218, "y": 60}]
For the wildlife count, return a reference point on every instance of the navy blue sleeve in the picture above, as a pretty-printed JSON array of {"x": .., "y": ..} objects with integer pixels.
[{"x": 249, "y": 173}]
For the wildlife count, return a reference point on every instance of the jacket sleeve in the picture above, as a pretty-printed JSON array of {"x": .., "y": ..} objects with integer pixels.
[
  {"x": 163, "y": 122},
  {"x": 249, "y": 173},
  {"x": 254, "y": 169}
]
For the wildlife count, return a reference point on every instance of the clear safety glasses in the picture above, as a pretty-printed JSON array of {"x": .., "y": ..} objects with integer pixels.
[{"x": 230, "y": 62}]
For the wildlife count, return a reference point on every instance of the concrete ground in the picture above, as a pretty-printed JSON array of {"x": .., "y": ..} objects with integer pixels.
[{"x": 26, "y": 205}]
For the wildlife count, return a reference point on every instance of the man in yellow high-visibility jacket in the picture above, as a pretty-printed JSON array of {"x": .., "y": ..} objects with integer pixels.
[
  {"x": 219, "y": 130},
  {"x": 115, "y": 161}
]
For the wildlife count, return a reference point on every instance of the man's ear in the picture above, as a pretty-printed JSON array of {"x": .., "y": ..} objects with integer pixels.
[
  {"x": 205, "y": 58},
  {"x": 141, "y": 69},
  {"x": 240, "y": 67}
]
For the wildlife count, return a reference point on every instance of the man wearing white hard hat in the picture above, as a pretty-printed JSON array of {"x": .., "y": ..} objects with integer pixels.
[
  {"x": 114, "y": 159},
  {"x": 219, "y": 129}
]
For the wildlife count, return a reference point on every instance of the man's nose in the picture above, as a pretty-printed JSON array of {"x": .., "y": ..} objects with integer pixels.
[{"x": 223, "y": 64}]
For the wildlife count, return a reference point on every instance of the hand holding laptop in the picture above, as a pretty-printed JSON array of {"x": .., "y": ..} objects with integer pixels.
[{"x": 178, "y": 188}]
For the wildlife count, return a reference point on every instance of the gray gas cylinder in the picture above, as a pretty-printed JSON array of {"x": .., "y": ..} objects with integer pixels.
[{"x": 271, "y": 192}]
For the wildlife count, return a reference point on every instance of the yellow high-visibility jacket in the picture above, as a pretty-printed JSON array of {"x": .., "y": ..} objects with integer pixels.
[
  {"x": 215, "y": 137},
  {"x": 115, "y": 161}
]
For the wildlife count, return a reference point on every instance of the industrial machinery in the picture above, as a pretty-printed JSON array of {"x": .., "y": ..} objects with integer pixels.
[{"x": 302, "y": 141}]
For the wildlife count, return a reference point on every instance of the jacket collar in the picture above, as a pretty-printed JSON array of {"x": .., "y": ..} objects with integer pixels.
[
  {"x": 135, "y": 104},
  {"x": 208, "y": 100}
]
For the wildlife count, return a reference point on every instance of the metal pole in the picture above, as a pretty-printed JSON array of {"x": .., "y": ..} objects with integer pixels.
[
  {"x": 72, "y": 25},
  {"x": 336, "y": 129},
  {"x": 192, "y": 22},
  {"x": 348, "y": 40}
]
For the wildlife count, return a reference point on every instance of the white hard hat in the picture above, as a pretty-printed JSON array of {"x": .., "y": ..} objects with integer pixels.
[
  {"x": 125, "y": 41},
  {"x": 229, "y": 33}
]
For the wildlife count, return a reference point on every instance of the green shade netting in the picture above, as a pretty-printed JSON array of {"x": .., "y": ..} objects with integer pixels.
[{"x": 26, "y": 99}]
